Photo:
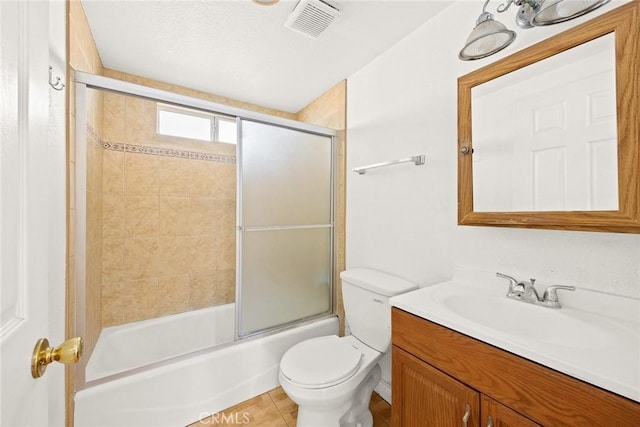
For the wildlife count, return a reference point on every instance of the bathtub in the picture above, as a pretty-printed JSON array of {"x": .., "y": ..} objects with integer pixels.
[
  {"x": 125, "y": 347},
  {"x": 184, "y": 389}
]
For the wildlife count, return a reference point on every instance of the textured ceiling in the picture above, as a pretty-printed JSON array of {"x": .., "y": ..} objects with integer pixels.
[{"x": 242, "y": 50}]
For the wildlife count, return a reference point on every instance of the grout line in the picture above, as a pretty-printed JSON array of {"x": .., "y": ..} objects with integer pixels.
[
  {"x": 277, "y": 408},
  {"x": 280, "y": 412}
]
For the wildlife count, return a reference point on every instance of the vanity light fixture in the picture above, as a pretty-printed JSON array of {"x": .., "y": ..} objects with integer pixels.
[
  {"x": 266, "y": 2},
  {"x": 490, "y": 36},
  {"x": 556, "y": 11}
]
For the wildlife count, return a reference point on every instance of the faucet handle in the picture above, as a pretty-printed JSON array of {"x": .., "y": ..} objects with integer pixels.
[
  {"x": 551, "y": 293},
  {"x": 517, "y": 288},
  {"x": 512, "y": 281}
]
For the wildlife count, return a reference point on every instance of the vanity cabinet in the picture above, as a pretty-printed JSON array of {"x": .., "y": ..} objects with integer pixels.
[
  {"x": 440, "y": 375},
  {"x": 429, "y": 397}
]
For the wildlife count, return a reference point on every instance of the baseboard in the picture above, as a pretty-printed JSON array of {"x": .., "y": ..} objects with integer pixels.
[{"x": 384, "y": 390}]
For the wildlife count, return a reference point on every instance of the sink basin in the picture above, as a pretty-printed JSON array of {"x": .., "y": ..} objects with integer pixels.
[{"x": 559, "y": 327}]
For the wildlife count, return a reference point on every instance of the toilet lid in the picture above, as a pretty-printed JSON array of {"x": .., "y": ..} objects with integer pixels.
[{"x": 320, "y": 362}]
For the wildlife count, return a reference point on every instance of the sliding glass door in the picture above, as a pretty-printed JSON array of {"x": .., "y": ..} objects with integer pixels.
[{"x": 285, "y": 232}]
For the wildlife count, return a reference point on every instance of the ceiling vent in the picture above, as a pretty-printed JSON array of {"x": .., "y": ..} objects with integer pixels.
[{"x": 312, "y": 17}]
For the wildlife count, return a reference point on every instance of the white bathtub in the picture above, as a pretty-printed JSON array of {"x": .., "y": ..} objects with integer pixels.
[
  {"x": 125, "y": 347},
  {"x": 181, "y": 392}
]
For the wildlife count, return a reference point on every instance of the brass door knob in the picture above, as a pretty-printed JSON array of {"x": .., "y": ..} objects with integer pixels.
[{"x": 67, "y": 352}]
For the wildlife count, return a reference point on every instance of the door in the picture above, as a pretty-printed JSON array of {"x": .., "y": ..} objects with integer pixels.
[
  {"x": 424, "y": 396},
  {"x": 32, "y": 215},
  {"x": 285, "y": 219},
  {"x": 496, "y": 415}
]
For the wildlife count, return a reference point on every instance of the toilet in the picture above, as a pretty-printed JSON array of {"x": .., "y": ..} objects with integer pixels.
[{"x": 331, "y": 378}]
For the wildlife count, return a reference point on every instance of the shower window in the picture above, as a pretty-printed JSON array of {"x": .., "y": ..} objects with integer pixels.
[{"x": 194, "y": 124}]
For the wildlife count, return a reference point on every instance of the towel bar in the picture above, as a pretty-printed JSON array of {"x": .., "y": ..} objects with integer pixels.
[{"x": 417, "y": 160}]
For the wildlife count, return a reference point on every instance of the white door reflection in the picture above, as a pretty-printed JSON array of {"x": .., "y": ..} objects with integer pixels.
[{"x": 545, "y": 136}]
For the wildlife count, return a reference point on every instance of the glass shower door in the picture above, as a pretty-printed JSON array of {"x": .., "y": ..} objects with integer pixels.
[{"x": 285, "y": 220}]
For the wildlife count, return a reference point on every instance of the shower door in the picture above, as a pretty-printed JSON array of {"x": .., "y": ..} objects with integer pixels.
[{"x": 285, "y": 226}]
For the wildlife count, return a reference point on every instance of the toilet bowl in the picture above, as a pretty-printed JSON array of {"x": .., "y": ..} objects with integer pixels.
[{"x": 331, "y": 378}]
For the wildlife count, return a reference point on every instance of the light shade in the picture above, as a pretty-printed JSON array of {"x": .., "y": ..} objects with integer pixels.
[
  {"x": 488, "y": 37},
  {"x": 556, "y": 11}
]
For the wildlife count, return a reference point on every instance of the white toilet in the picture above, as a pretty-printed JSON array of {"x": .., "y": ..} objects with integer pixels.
[{"x": 331, "y": 378}]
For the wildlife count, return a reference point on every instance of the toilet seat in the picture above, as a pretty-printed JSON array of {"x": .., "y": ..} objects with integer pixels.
[{"x": 320, "y": 362}]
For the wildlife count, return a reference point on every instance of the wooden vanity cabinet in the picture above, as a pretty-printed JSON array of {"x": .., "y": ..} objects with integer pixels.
[
  {"x": 428, "y": 397},
  {"x": 438, "y": 373}
]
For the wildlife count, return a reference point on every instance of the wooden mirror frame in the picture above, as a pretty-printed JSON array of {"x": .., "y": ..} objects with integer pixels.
[{"x": 624, "y": 21}]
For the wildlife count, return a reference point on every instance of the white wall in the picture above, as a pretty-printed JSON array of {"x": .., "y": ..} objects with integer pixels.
[{"x": 403, "y": 219}]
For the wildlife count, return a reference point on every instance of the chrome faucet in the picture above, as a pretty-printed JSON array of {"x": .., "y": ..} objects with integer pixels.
[{"x": 523, "y": 290}]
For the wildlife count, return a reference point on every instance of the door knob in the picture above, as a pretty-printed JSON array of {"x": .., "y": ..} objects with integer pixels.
[{"x": 67, "y": 352}]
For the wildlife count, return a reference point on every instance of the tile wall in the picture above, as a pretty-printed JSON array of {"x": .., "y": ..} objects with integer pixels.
[
  {"x": 94, "y": 211},
  {"x": 168, "y": 217}
]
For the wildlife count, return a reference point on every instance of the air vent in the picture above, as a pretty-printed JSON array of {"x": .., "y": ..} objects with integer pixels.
[{"x": 312, "y": 17}]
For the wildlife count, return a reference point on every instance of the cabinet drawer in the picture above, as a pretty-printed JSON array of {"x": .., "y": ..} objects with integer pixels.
[{"x": 541, "y": 394}]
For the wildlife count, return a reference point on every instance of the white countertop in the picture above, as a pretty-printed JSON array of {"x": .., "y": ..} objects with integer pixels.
[{"x": 594, "y": 337}]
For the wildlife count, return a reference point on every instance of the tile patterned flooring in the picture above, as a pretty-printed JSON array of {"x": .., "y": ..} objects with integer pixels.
[{"x": 275, "y": 409}]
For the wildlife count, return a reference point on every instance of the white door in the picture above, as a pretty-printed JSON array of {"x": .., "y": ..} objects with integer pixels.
[
  {"x": 32, "y": 227},
  {"x": 567, "y": 146}
]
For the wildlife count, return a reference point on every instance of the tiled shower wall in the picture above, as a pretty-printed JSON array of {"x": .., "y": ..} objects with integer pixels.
[
  {"x": 83, "y": 55},
  {"x": 168, "y": 217},
  {"x": 94, "y": 210}
]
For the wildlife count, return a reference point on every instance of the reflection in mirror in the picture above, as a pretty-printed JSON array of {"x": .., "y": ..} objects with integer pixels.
[{"x": 544, "y": 136}]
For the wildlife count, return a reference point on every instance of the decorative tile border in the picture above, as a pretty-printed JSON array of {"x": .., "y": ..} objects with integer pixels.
[
  {"x": 168, "y": 152},
  {"x": 159, "y": 151}
]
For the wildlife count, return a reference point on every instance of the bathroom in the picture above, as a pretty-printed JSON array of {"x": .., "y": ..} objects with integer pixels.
[{"x": 402, "y": 220}]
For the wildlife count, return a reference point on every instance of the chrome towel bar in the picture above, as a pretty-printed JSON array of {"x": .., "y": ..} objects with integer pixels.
[{"x": 417, "y": 160}]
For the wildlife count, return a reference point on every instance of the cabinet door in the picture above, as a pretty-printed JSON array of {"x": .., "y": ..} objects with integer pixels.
[
  {"x": 496, "y": 415},
  {"x": 424, "y": 396}
]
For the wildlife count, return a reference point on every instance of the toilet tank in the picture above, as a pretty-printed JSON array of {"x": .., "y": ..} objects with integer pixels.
[{"x": 365, "y": 294}]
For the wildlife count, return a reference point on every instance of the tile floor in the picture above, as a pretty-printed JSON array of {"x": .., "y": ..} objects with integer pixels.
[{"x": 275, "y": 409}]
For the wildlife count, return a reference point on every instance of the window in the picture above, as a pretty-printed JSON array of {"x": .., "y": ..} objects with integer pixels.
[
  {"x": 226, "y": 130},
  {"x": 194, "y": 124}
]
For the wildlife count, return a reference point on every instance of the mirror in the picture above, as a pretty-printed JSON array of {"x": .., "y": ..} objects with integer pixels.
[
  {"x": 544, "y": 136},
  {"x": 548, "y": 137}
]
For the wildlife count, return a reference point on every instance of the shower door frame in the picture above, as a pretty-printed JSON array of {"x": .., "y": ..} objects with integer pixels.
[{"x": 83, "y": 81}]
